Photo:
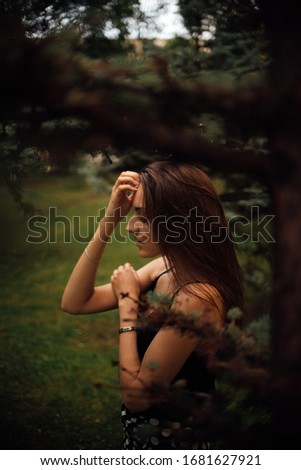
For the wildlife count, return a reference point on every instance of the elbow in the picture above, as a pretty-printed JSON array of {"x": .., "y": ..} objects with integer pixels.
[
  {"x": 135, "y": 404},
  {"x": 135, "y": 407},
  {"x": 69, "y": 308}
]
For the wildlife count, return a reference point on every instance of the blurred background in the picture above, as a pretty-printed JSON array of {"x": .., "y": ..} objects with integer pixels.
[{"x": 88, "y": 89}]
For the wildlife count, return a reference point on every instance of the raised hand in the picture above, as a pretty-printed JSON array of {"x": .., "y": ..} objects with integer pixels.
[
  {"x": 122, "y": 194},
  {"x": 125, "y": 282}
]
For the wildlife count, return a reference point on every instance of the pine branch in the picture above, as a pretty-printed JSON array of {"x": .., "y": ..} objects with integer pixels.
[{"x": 127, "y": 115}]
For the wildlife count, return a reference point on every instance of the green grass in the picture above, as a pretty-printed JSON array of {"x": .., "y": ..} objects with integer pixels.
[{"x": 59, "y": 389}]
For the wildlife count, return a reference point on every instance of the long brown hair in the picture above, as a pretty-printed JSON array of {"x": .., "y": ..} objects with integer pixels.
[{"x": 187, "y": 215}]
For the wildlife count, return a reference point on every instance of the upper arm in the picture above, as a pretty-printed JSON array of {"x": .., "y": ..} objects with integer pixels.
[
  {"x": 103, "y": 297},
  {"x": 171, "y": 347}
]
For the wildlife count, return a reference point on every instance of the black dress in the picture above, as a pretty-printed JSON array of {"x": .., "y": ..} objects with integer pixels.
[{"x": 170, "y": 425}]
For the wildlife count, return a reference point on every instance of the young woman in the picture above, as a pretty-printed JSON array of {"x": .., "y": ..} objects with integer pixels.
[{"x": 178, "y": 220}]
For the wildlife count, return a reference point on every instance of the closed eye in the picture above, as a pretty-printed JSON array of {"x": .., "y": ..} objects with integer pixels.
[{"x": 143, "y": 219}]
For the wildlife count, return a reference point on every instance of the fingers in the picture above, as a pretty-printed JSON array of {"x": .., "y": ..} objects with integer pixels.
[
  {"x": 126, "y": 187},
  {"x": 126, "y": 183},
  {"x": 125, "y": 266},
  {"x": 124, "y": 190},
  {"x": 132, "y": 174},
  {"x": 125, "y": 282},
  {"x": 127, "y": 180},
  {"x": 128, "y": 177},
  {"x": 121, "y": 268}
]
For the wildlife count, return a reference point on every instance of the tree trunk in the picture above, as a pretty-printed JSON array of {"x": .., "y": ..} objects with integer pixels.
[
  {"x": 285, "y": 140},
  {"x": 286, "y": 309}
]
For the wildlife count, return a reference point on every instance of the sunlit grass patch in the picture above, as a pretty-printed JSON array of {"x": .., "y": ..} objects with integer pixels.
[{"x": 59, "y": 387}]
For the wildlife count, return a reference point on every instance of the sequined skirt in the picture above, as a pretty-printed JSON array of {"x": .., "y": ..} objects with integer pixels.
[{"x": 151, "y": 430}]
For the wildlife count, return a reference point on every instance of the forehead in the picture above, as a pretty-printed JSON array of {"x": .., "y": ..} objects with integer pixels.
[{"x": 138, "y": 199}]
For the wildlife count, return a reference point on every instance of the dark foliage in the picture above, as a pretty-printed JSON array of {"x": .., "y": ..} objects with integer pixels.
[{"x": 48, "y": 86}]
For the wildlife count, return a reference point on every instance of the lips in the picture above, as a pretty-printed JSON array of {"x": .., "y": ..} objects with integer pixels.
[{"x": 140, "y": 241}]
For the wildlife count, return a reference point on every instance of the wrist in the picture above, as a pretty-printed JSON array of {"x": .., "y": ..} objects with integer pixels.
[
  {"x": 128, "y": 298},
  {"x": 128, "y": 321},
  {"x": 107, "y": 225},
  {"x": 113, "y": 215},
  {"x": 128, "y": 311}
]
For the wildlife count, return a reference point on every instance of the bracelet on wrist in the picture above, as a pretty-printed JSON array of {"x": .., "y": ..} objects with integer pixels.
[
  {"x": 125, "y": 329},
  {"x": 89, "y": 257}
]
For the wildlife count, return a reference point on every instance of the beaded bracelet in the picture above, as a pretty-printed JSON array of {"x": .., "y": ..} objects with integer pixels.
[{"x": 124, "y": 329}]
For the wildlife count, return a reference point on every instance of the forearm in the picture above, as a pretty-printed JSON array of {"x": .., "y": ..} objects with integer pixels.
[
  {"x": 133, "y": 390},
  {"x": 128, "y": 353},
  {"x": 81, "y": 283},
  {"x": 78, "y": 296}
]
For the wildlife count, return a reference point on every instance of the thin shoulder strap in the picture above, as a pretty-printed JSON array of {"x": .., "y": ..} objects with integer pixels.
[
  {"x": 181, "y": 287},
  {"x": 154, "y": 282},
  {"x": 161, "y": 274},
  {"x": 192, "y": 282},
  {"x": 198, "y": 282}
]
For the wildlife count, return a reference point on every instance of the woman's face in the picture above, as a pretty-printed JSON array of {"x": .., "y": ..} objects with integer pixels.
[{"x": 141, "y": 229}]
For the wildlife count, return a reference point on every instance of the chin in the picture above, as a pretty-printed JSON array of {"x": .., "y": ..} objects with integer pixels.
[{"x": 144, "y": 253}]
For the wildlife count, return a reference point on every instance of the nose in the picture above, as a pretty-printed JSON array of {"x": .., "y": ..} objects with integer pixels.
[
  {"x": 135, "y": 225},
  {"x": 130, "y": 225}
]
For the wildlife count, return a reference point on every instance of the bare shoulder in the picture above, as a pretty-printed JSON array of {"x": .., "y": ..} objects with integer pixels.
[
  {"x": 150, "y": 271},
  {"x": 200, "y": 298}
]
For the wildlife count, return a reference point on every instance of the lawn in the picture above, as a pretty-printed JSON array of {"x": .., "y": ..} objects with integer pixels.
[{"x": 59, "y": 389}]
